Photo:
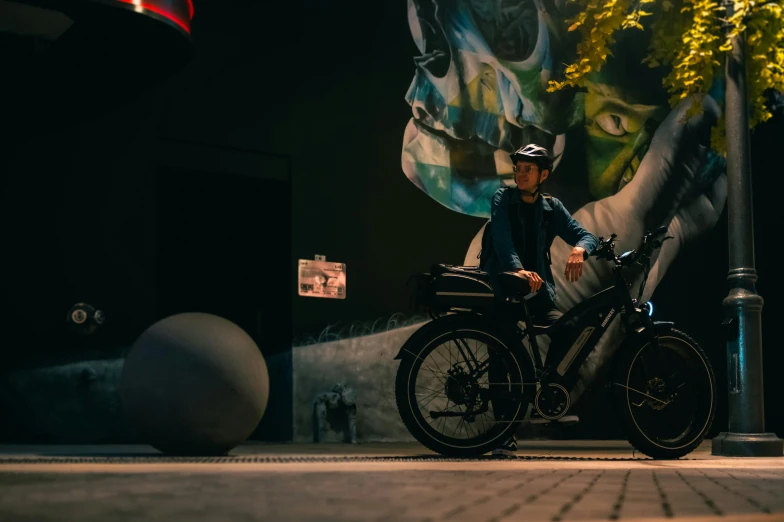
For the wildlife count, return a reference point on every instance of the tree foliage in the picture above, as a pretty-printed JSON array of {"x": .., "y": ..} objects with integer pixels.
[{"x": 690, "y": 39}]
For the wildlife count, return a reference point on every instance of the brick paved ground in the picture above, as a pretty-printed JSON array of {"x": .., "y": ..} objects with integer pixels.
[{"x": 554, "y": 481}]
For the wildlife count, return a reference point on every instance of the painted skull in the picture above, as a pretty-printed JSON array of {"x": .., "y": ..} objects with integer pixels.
[{"x": 480, "y": 91}]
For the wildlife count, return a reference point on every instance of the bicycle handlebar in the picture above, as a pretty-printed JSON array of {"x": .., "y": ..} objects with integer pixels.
[{"x": 650, "y": 242}]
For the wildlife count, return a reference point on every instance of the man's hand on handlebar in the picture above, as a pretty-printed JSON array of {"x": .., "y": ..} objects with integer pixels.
[{"x": 534, "y": 281}]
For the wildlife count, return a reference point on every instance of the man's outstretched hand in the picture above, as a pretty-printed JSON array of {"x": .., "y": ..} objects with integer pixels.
[{"x": 574, "y": 265}]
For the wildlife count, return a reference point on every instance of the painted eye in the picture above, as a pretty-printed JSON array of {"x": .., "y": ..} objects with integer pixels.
[{"x": 614, "y": 124}]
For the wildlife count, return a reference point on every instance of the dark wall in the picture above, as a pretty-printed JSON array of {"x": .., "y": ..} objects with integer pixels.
[
  {"x": 88, "y": 197},
  {"x": 765, "y": 147},
  {"x": 320, "y": 96},
  {"x": 78, "y": 222},
  {"x": 352, "y": 64}
]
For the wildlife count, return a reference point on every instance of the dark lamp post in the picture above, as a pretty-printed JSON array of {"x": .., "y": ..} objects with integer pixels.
[{"x": 743, "y": 306}]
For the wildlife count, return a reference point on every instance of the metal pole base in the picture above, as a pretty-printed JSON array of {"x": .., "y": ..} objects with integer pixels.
[{"x": 727, "y": 444}]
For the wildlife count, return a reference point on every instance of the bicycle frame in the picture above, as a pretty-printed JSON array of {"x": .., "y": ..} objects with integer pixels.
[
  {"x": 591, "y": 318},
  {"x": 587, "y": 322}
]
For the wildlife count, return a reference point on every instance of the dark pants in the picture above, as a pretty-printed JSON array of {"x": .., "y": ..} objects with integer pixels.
[{"x": 542, "y": 312}]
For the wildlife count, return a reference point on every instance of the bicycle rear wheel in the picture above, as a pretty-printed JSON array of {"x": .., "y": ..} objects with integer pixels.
[{"x": 460, "y": 390}]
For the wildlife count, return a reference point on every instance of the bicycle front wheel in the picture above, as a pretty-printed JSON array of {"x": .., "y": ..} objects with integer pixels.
[{"x": 665, "y": 396}]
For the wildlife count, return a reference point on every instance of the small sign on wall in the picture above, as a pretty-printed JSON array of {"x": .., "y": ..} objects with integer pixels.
[{"x": 320, "y": 278}]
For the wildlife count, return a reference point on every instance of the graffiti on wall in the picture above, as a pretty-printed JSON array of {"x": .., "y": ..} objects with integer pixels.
[{"x": 625, "y": 162}]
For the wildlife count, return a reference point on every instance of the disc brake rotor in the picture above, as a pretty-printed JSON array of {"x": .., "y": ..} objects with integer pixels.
[
  {"x": 461, "y": 388},
  {"x": 657, "y": 388}
]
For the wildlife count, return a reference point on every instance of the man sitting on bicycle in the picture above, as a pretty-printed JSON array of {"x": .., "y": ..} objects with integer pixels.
[{"x": 524, "y": 226}]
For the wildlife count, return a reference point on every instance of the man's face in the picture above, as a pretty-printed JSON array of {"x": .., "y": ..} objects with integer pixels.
[{"x": 528, "y": 175}]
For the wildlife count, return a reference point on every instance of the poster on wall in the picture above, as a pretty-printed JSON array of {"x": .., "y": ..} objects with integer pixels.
[{"x": 319, "y": 278}]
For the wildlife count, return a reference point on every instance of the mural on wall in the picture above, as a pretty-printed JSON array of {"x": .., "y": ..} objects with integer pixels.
[{"x": 625, "y": 162}]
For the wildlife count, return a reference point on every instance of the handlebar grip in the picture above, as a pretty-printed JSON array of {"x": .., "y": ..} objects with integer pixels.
[{"x": 653, "y": 234}]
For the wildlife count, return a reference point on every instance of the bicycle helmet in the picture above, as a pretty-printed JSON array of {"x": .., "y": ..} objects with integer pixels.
[{"x": 535, "y": 154}]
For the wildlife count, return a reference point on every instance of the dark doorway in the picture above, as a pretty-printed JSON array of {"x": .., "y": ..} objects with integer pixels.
[{"x": 224, "y": 244}]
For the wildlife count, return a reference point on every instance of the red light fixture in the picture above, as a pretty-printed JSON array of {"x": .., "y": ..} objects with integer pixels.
[{"x": 165, "y": 9}]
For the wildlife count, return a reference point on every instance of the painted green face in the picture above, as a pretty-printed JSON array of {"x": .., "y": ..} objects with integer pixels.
[{"x": 617, "y": 134}]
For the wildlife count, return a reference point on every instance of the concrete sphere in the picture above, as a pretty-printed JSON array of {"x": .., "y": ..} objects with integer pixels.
[{"x": 194, "y": 384}]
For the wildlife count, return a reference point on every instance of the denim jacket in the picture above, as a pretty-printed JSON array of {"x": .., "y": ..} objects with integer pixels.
[{"x": 561, "y": 224}]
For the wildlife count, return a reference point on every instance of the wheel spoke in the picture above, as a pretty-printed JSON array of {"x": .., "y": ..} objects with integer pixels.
[
  {"x": 435, "y": 363},
  {"x": 428, "y": 402},
  {"x": 430, "y": 389},
  {"x": 438, "y": 351},
  {"x": 445, "y": 375},
  {"x": 434, "y": 394}
]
